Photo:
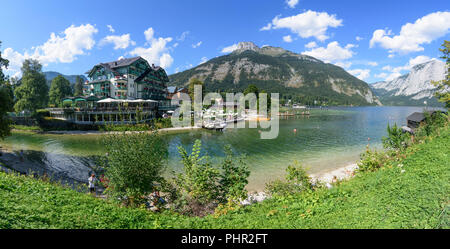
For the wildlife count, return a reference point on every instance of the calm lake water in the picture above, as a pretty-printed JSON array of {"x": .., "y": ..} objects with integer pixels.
[{"x": 325, "y": 140}]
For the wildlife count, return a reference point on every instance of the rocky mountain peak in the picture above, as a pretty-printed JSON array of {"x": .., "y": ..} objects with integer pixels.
[
  {"x": 242, "y": 46},
  {"x": 415, "y": 85}
]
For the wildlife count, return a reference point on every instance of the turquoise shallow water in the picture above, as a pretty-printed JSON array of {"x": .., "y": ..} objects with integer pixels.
[{"x": 324, "y": 140}]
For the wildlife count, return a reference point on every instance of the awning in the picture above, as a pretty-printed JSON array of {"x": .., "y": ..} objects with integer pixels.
[{"x": 110, "y": 100}]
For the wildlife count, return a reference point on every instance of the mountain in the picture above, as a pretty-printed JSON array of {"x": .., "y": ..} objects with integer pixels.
[
  {"x": 275, "y": 69},
  {"x": 414, "y": 87},
  {"x": 50, "y": 75}
]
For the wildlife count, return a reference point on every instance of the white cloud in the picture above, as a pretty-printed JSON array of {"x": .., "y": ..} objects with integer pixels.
[
  {"x": 381, "y": 75},
  {"x": 15, "y": 58},
  {"x": 358, "y": 38},
  {"x": 61, "y": 48},
  {"x": 418, "y": 60},
  {"x": 65, "y": 49},
  {"x": 343, "y": 64},
  {"x": 292, "y": 3},
  {"x": 230, "y": 49},
  {"x": 183, "y": 36},
  {"x": 197, "y": 44},
  {"x": 111, "y": 29},
  {"x": 120, "y": 58},
  {"x": 332, "y": 53},
  {"x": 311, "y": 45},
  {"x": 149, "y": 34},
  {"x": 306, "y": 24},
  {"x": 413, "y": 35},
  {"x": 287, "y": 38},
  {"x": 372, "y": 63},
  {"x": 203, "y": 60},
  {"x": 165, "y": 60},
  {"x": 120, "y": 42},
  {"x": 157, "y": 51},
  {"x": 361, "y": 74},
  {"x": 267, "y": 27}
]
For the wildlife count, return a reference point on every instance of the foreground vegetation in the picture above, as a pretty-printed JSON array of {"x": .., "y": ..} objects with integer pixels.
[{"x": 409, "y": 190}]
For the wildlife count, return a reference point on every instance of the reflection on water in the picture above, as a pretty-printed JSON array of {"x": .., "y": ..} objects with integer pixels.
[
  {"x": 65, "y": 166},
  {"x": 328, "y": 140}
]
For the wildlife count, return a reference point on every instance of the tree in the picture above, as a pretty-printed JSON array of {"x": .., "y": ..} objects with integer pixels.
[
  {"x": 443, "y": 92},
  {"x": 251, "y": 89},
  {"x": 6, "y": 100},
  {"x": 59, "y": 89},
  {"x": 78, "y": 87},
  {"x": 192, "y": 83},
  {"x": 32, "y": 94}
]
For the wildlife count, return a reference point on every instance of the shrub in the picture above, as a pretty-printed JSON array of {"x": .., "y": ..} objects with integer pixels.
[
  {"x": 372, "y": 160},
  {"x": 431, "y": 125},
  {"x": 396, "y": 139},
  {"x": 202, "y": 187},
  {"x": 297, "y": 180},
  {"x": 233, "y": 178},
  {"x": 134, "y": 165},
  {"x": 160, "y": 123}
]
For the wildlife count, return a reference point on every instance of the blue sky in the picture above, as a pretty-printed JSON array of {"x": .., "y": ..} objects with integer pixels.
[{"x": 373, "y": 40}]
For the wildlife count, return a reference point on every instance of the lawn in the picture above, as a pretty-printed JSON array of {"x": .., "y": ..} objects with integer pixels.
[{"x": 415, "y": 195}]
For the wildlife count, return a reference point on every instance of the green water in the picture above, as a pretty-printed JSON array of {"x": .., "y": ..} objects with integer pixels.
[{"x": 324, "y": 140}]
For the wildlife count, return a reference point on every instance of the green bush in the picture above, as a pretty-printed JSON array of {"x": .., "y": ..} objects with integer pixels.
[
  {"x": 297, "y": 180},
  {"x": 134, "y": 165},
  {"x": 201, "y": 187},
  {"x": 396, "y": 139},
  {"x": 372, "y": 160},
  {"x": 431, "y": 125},
  {"x": 233, "y": 177}
]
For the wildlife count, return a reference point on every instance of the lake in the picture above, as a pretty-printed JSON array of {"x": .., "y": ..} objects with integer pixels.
[{"x": 325, "y": 140}]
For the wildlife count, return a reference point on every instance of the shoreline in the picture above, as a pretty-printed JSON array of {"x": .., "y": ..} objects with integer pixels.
[
  {"x": 326, "y": 177},
  {"x": 94, "y": 132}
]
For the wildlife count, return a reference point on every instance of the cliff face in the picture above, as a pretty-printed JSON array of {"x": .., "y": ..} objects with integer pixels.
[{"x": 414, "y": 87}]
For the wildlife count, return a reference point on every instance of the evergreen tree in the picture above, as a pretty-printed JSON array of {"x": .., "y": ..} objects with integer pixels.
[
  {"x": 59, "y": 89},
  {"x": 251, "y": 89},
  {"x": 6, "y": 100},
  {"x": 443, "y": 92},
  {"x": 192, "y": 83},
  {"x": 78, "y": 87},
  {"x": 32, "y": 93}
]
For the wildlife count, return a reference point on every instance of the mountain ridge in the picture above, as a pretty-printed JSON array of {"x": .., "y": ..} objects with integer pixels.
[
  {"x": 414, "y": 87},
  {"x": 275, "y": 69},
  {"x": 50, "y": 75}
]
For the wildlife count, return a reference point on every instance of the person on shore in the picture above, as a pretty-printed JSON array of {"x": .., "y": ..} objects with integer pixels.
[{"x": 92, "y": 180}]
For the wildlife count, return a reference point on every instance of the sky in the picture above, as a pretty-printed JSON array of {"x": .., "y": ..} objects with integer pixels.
[{"x": 373, "y": 40}]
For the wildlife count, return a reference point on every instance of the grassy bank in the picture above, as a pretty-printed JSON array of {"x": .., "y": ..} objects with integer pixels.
[{"x": 416, "y": 195}]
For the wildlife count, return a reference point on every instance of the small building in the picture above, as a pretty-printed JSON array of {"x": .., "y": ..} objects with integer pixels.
[
  {"x": 175, "y": 91},
  {"x": 416, "y": 119}
]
